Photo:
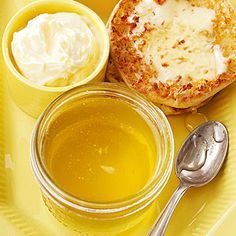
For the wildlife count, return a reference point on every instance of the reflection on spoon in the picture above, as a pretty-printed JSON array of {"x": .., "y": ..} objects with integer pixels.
[{"x": 194, "y": 158}]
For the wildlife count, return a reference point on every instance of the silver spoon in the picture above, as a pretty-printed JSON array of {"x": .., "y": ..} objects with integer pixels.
[{"x": 198, "y": 162}]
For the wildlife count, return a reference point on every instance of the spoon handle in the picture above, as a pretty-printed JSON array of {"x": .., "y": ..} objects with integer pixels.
[{"x": 160, "y": 226}]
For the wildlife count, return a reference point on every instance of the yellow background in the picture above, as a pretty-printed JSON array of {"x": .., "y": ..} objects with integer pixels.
[{"x": 210, "y": 210}]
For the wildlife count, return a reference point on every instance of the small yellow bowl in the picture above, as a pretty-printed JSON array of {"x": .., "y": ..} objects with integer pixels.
[{"x": 33, "y": 98}]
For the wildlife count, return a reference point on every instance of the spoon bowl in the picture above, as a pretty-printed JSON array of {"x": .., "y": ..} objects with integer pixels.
[{"x": 201, "y": 156}]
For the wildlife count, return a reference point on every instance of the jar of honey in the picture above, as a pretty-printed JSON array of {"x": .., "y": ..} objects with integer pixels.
[{"x": 102, "y": 154}]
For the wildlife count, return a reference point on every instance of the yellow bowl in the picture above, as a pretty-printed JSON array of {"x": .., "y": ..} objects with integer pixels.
[{"x": 33, "y": 98}]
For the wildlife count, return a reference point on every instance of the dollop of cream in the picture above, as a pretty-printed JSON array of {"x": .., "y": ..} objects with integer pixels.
[{"x": 56, "y": 49}]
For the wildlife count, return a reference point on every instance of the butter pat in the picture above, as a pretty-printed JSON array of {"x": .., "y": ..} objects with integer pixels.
[{"x": 56, "y": 49}]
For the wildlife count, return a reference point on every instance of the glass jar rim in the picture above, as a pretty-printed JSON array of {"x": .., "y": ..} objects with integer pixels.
[{"x": 144, "y": 197}]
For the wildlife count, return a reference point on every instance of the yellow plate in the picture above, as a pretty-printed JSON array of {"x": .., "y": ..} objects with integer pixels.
[{"x": 210, "y": 210}]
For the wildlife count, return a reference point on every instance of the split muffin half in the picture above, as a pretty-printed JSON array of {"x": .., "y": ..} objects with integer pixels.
[{"x": 178, "y": 53}]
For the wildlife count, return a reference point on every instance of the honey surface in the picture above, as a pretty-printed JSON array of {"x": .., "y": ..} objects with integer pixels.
[{"x": 100, "y": 150}]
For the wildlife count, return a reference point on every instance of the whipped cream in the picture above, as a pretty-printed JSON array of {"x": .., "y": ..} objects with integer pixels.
[
  {"x": 181, "y": 42},
  {"x": 56, "y": 49}
]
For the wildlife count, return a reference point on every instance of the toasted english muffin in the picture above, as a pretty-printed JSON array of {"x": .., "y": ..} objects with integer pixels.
[
  {"x": 113, "y": 76},
  {"x": 168, "y": 110},
  {"x": 177, "y": 53}
]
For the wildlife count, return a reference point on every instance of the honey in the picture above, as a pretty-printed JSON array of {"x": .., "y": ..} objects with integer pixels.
[
  {"x": 193, "y": 120},
  {"x": 100, "y": 150}
]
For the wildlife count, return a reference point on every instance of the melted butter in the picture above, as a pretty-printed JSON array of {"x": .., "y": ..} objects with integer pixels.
[
  {"x": 193, "y": 120},
  {"x": 101, "y": 150},
  {"x": 181, "y": 11},
  {"x": 182, "y": 42}
]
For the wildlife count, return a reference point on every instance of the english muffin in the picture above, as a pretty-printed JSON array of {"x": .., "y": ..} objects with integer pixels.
[
  {"x": 177, "y": 53},
  {"x": 113, "y": 76}
]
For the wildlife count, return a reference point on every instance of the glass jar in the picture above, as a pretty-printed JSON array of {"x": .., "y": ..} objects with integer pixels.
[{"x": 104, "y": 218}]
